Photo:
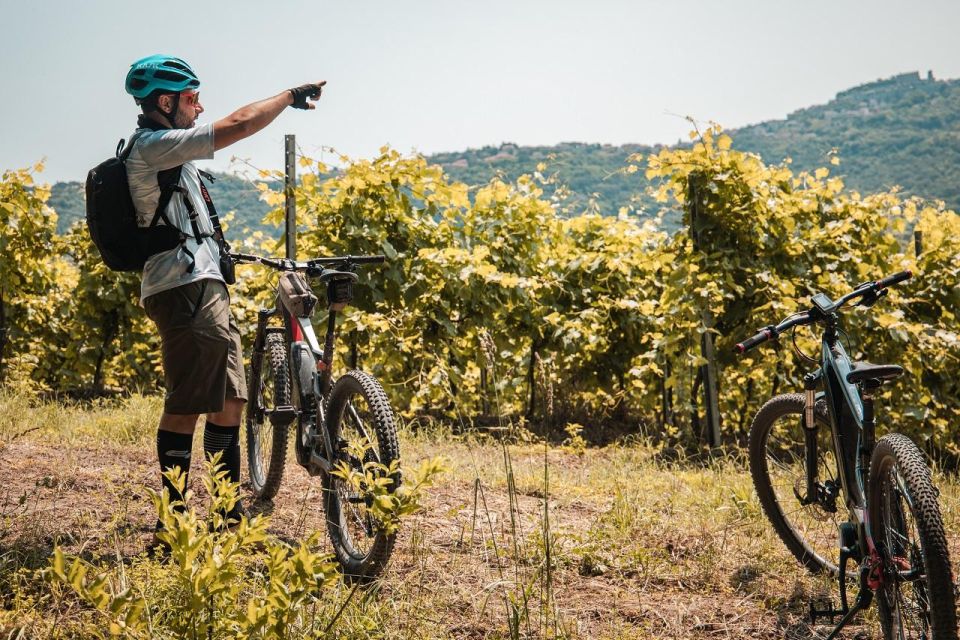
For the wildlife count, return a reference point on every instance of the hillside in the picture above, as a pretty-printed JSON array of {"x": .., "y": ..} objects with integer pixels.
[
  {"x": 902, "y": 131},
  {"x": 590, "y": 171},
  {"x": 899, "y": 131}
]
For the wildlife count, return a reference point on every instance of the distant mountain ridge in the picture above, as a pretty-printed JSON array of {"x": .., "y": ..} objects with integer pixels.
[{"x": 903, "y": 130}]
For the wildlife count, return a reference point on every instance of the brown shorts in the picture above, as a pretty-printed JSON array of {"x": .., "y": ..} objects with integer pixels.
[{"x": 202, "y": 357}]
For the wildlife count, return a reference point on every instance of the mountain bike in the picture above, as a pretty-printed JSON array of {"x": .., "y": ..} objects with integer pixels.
[
  {"x": 342, "y": 426},
  {"x": 834, "y": 493}
]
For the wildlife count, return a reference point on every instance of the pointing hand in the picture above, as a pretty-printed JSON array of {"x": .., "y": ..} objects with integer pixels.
[{"x": 311, "y": 91}]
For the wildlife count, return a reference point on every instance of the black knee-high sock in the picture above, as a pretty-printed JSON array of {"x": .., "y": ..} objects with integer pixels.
[
  {"x": 173, "y": 450},
  {"x": 226, "y": 439},
  {"x": 217, "y": 438}
]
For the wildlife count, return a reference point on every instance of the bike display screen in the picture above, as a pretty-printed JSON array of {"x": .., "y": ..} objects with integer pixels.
[{"x": 823, "y": 302}]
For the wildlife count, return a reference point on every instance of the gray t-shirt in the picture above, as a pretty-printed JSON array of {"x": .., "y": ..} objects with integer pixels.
[{"x": 155, "y": 151}]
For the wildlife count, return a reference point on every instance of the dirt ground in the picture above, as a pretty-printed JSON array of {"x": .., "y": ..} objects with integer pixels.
[{"x": 445, "y": 571}]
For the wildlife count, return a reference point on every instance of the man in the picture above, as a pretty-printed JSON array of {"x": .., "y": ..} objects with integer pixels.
[{"x": 183, "y": 289}]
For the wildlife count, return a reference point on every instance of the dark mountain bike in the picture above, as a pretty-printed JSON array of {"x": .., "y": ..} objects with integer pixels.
[
  {"x": 834, "y": 493},
  {"x": 345, "y": 424}
]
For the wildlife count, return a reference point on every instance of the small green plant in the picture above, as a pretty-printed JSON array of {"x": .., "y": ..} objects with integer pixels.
[
  {"x": 388, "y": 505},
  {"x": 220, "y": 581},
  {"x": 575, "y": 442}
]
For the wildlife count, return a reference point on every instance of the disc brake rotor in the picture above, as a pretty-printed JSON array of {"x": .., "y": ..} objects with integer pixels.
[{"x": 815, "y": 510}]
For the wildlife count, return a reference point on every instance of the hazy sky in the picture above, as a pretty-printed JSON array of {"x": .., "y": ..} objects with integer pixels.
[{"x": 447, "y": 75}]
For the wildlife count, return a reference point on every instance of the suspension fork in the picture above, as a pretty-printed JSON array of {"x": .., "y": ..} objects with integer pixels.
[
  {"x": 811, "y": 383},
  {"x": 260, "y": 339},
  {"x": 323, "y": 383}
]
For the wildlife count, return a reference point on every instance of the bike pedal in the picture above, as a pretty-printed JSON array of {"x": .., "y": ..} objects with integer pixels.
[
  {"x": 282, "y": 415},
  {"x": 829, "y": 612}
]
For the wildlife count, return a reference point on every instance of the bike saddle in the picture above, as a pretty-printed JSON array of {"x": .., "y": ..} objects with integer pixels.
[
  {"x": 331, "y": 274},
  {"x": 863, "y": 371}
]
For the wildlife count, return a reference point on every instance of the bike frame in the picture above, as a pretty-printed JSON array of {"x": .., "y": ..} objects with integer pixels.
[
  {"x": 852, "y": 422},
  {"x": 853, "y": 429},
  {"x": 846, "y": 411},
  {"x": 310, "y": 367},
  {"x": 300, "y": 336}
]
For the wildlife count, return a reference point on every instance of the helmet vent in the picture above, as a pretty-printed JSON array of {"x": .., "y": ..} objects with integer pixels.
[{"x": 173, "y": 76}]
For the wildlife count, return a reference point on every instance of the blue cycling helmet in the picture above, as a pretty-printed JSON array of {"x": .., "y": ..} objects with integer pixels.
[{"x": 160, "y": 74}]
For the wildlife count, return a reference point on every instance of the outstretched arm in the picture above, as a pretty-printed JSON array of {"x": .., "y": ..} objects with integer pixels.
[{"x": 248, "y": 120}]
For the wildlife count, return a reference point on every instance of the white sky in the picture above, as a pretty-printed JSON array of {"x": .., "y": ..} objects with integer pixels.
[{"x": 447, "y": 75}]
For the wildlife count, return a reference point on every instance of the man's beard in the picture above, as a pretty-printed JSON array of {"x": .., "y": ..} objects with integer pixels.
[{"x": 181, "y": 121}]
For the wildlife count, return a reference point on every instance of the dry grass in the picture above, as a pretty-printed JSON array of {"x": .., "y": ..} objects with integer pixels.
[{"x": 638, "y": 547}]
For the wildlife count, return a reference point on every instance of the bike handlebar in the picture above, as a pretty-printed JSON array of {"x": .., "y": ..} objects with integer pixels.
[
  {"x": 285, "y": 264},
  {"x": 896, "y": 278},
  {"x": 759, "y": 338},
  {"x": 772, "y": 332},
  {"x": 870, "y": 290}
]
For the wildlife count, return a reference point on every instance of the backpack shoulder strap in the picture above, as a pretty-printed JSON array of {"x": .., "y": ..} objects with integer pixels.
[
  {"x": 169, "y": 182},
  {"x": 123, "y": 152},
  {"x": 211, "y": 209}
]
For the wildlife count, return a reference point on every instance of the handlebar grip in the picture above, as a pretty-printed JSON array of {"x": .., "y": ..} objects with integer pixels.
[
  {"x": 369, "y": 259},
  {"x": 896, "y": 278},
  {"x": 242, "y": 257},
  {"x": 764, "y": 335}
]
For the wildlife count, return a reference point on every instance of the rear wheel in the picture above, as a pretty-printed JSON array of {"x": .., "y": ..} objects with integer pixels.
[
  {"x": 362, "y": 429},
  {"x": 266, "y": 435},
  {"x": 916, "y": 599},
  {"x": 778, "y": 467}
]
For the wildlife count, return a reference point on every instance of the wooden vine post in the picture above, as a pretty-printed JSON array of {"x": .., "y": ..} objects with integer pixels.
[
  {"x": 708, "y": 371},
  {"x": 289, "y": 191}
]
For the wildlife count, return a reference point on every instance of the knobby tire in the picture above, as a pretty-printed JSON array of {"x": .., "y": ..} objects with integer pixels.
[
  {"x": 907, "y": 526},
  {"x": 270, "y": 383},
  {"x": 360, "y": 544}
]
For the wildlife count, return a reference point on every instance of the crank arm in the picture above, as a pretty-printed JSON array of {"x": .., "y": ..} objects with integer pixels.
[{"x": 864, "y": 598}]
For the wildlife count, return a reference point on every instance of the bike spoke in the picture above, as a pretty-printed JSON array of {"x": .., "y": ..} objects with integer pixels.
[
  {"x": 357, "y": 448},
  {"x": 364, "y": 437},
  {"x": 355, "y": 518},
  {"x": 909, "y": 598},
  {"x": 816, "y": 523}
]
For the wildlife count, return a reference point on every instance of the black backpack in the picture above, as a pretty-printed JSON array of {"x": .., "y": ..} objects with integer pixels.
[{"x": 112, "y": 219}]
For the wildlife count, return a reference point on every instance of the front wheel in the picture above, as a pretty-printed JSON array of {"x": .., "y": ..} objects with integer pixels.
[
  {"x": 778, "y": 467},
  {"x": 916, "y": 599},
  {"x": 363, "y": 433}
]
